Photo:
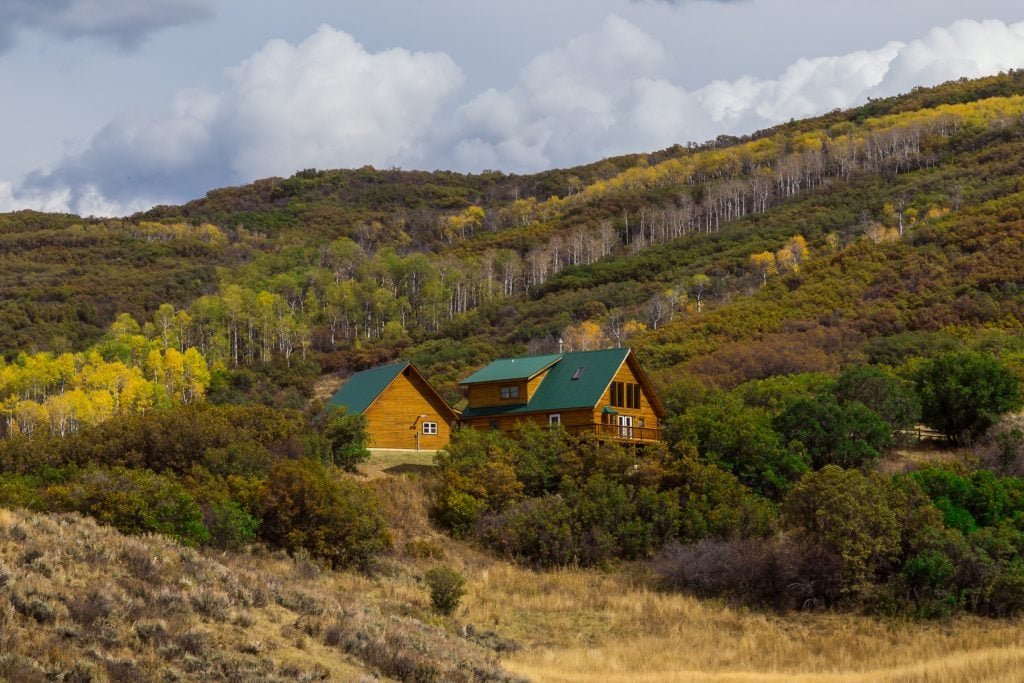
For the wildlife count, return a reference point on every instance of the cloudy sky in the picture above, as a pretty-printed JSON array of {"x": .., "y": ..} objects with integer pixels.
[{"x": 112, "y": 106}]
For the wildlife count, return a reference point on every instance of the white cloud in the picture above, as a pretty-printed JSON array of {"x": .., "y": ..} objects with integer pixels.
[
  {"x": 605, "y": 93},
  {"x": 571, "y": 103},
  {"x": 963, "y": 49},
  {"x": 329, "y": 102}
]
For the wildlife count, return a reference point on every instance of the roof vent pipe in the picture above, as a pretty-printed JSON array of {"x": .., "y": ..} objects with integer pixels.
[{"x": 559, "y": 344}]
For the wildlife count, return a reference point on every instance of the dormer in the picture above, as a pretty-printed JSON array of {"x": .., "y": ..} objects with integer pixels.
[{"x": 508, "y": 381}]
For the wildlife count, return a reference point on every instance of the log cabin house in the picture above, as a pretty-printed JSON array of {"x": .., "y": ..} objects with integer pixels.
[
  {"x": 402, "y": 409},
  {"x": 603, "y": 392}
]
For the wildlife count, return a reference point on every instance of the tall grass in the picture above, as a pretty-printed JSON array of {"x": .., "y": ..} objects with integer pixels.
[{"x": 581, "y": 626}]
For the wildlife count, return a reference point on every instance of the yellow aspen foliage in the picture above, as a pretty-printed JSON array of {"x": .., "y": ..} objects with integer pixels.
[
  {"x": 785, "y": 261},
  {"x": 584, "y": 336},
  {"x": 30, "y": 416},
  {"x": 763, "y": 264},
  {"x": 631, "y": 328},
  {"x": 61, "y": 393}
]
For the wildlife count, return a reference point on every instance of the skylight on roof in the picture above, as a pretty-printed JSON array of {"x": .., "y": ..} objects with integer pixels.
[{"x": 579, "y": 372}]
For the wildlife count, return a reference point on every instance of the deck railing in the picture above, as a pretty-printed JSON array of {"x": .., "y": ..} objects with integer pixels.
[{"x": 618, "y": 432}]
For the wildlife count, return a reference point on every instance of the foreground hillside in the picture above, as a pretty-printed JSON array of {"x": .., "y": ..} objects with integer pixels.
[{"x": 81, "y": 602}]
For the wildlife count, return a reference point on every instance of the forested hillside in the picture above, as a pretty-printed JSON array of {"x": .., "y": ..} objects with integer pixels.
[
  {"x": 805, "y": 299},
  {"x": 353, "y": 267}
]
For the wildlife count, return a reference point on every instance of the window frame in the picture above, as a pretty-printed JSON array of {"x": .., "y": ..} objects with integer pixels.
[{"x": 429, "y": 429}]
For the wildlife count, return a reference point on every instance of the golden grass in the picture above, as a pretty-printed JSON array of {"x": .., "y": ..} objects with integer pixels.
[{"x": 582, "y": 626}]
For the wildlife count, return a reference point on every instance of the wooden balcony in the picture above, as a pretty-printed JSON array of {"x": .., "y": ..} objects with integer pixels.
[{"x": 621, "y": 433}]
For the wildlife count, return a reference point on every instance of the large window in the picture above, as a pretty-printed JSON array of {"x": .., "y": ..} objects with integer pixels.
[
  {"x": 430, "y": 428},
  {"x": 510, "y": 392},
  {"x": 625, "y": 395}
]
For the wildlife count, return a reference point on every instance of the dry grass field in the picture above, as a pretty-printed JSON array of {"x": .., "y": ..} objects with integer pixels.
[
  {"x": 583, "y": 626},
  {"x": 80, "y": 602}
]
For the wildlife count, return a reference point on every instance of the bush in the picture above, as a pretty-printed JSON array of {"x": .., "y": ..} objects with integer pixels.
[
  {"x": 447, "y": 586},
  {"x": 230, "y": 525},
  {"x": 879, "y": 389},
  {"x": 459, "y": 511},
  {"x": 344, "y": 437},
  {"x": 781, "y": 572},
  {"x": 591, "y": 525},
  {"x": 132, "y": 501},
  {"x": 713, "y": 503},
  {"x": 540, "y": 532},
  {"x": 848, "y": 513},
  {"x": 307, "y": 507}
]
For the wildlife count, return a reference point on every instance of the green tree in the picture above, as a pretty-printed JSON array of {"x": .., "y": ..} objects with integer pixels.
[
  {"x": 963, "y": 394},
  {"x": 345, "y": 438},
  {"x": 848, "y": 435},
  {"x": 894, "y": 399}
]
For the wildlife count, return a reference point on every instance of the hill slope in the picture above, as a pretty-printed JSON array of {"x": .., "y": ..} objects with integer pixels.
[{"x": 81, "y": 601}]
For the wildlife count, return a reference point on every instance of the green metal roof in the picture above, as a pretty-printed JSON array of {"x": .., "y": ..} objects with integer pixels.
[
  {"x": 559, "y": 391},
  {"x": 364, "y": 387},
  {"x": 511, "y": 368}
]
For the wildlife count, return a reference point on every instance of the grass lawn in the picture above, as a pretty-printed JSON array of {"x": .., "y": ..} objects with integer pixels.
[{"x": 384, "y": 461}]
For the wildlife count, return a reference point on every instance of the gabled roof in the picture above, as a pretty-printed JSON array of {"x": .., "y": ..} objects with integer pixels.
[
  {"x": 364, "y": 387},
  {"x": 506, "y": 369},
  {"x": 559, "y": 391}
]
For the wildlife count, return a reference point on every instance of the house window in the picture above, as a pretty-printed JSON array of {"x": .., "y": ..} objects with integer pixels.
[
  {"x": 494, "y": 425},
  {"x": 618, "y": 395},
  {"x": 430, "y": 428},
  {"x": 625, "y": 395},
  {"x": 555, "y": 419},
  {"x": 509, "y": 392}
]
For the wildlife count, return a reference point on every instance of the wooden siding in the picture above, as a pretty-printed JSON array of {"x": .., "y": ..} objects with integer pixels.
[
  {"x": 645, "y": 412},
  {"x": 577, "y": 417},
  {"x": 393, "y": 419}
]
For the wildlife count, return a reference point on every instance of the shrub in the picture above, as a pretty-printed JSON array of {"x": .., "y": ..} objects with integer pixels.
[
  {"x": 459, "y": 511},
  {"x": 879, "y": 389},
  {"x": 741, "y": 440},
  {"x": 713, "y": 503},
  {"x": 230, "y": 525},
  {"x": 344, "y": 438},
  {"x": 132, "y": 501},
  {"x": 781, "y": 572},
  {"x": 848, "y": 513},
  {"x": 601, "y": 521},
  {"x": 307, "y": 507},
  {"x": 537, "y": 531},
  {"x": 447, "y": 586}
]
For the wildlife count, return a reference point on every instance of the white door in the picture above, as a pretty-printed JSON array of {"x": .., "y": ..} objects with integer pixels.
[{"x": 626, "y": 426}]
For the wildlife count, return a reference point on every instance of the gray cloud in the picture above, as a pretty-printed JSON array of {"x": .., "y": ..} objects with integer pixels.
[
  {"x": 325, "y": 102},
  {"x": 125, "y": 23}
]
